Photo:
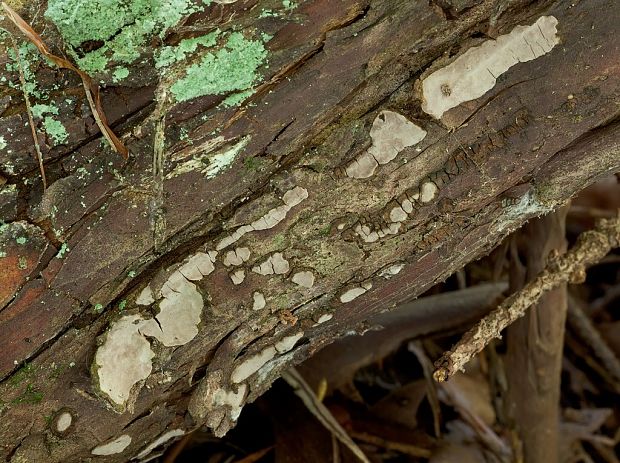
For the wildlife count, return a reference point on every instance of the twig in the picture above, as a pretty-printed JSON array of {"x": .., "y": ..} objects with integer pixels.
[
  {"x": 585, "y": 329},
  {"x": 92, "y": 91},
  {"x": 22, "y": 81},
  {"x": 320, "y": 411},
  {"x": 591, "y": 246},
  {"x": 405, "y": 449}
]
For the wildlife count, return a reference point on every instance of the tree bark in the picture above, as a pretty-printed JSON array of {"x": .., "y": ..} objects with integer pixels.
[{"x": 242, "y": 236}]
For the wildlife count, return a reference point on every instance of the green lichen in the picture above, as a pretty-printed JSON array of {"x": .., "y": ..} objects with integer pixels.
[
  {"x": 2, "y": 143},
  {"x": 288, "y": 4},
  {"x": 98, "y": 308},
  {"x": 120, "y": 74},
  {"x": 22, "y": 263},
  {"x": 55, "y": 130},
  {"x": 122, "y": 305},
  {"x": 235, "y": 99},
  {"x": 21, "y": 240},
  {"x": 124, "y": 27},
  {"x": 230, "y": 69},
  {"x": 38, "y": 110},
  {"x": 167, "y": 56},
  {"x": 29, "y": 58},
  {"x": 62, "y": 251}
]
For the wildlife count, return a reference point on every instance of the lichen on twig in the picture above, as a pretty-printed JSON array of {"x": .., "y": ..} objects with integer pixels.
[{"x": 591, "y": 246}]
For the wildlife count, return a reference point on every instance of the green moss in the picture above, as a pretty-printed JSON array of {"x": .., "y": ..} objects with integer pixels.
[
  {"x": 170, "y": 55},
  {"x": 24, "y": 372},
  {"x": 123, "y": 26},
  {"x": 230, "y": 69},
  {"x": 122, "y": 305},
  {"x": 252, "y": 163},
  {"x": 30, "y": 396}
]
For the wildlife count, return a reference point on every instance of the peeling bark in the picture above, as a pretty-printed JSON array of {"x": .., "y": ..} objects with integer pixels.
[{"x": 262, "y": 164}]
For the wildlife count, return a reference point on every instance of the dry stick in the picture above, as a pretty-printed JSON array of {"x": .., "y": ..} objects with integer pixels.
[
  {"x": 591, "y": 246},
  {"x": 22, "y": 81},
  {"x": 586, "y": 330}
]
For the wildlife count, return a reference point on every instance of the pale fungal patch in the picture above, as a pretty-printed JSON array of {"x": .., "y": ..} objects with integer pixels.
[
  {"x": 351, "y": 294},
  {"x": 252, "y": 364},
  {"x": 63, "y": 421},
  {"x": 259, "y": 301},
  {"x": 124, "y": 359},
  {"x": 391, "y": 270},
  {"x": 146, "y": 296},
  {"x": 236, "y": 257},
  {"x": 179, "y": 312},
  {"x": 118, "y": 445},
  {"x": 398, "y": 214},
  {"x": 275, "y": 264},
  {"x": 304, "y": 278},
  {"x": 165, "y": 437},
  {"x": 324, "y": 318},
  {"x": 233, "y": 399},
  {"x": 370, "y": 236},
  {"x": 291, "y": 198},
  {"x": 390, "y": 133},
  {"x": 475, "y": 72},
  {"x": 428, "y": 190},
  {"x": 199, "y": 266},
  {"x": 287, "y": 343},
  {"x": 237, "y": 276}
]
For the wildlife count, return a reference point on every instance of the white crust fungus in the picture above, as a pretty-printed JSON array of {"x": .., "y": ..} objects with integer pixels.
[
  {"x": 475, "y": 72},
  {"x": 146, "y": 296},
  {"x": 272, "y": 218},
  {"x": 275, "y": 263},
  {"x": 113, "y": 447},
  {"x": 252, "y": 364},
  {"x": 162, "y": 439},
  {"x": 304, "y": 278},
  {"x": 236, "y": 257},
  {"x": 351, "y": 294},
  {"x": 259, "y": 301},
  {"x": 233, "y": 399},
  {"x": 199, "y": 266},
  {"x": 391, "y": 270},
  {"x": 324, "y": 318},
  {"x": 237, "y": 276},
  {"x": 428, "y": 190},
  {"x": 287, "y": 343},
  {"x": 390, "y": 133},
  {"x": 124, "y": 359}
]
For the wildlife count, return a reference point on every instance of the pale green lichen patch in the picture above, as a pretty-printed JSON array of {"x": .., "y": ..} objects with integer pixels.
[
  {"x": 236, "y": 99},
  {"x": 167, "y": 56},
  {"x": 232, "y": 68},
  {"x": 2, "y": 143},
  {"x": 55, "y": 130},
  {"x": 123, "y": 26},
  {"x": 119, "y": 74}
]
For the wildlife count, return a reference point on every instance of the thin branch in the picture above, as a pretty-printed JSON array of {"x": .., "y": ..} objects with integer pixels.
[
  {"x": 591, "y": 246},
  {"x": 22, "y": 80}
]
